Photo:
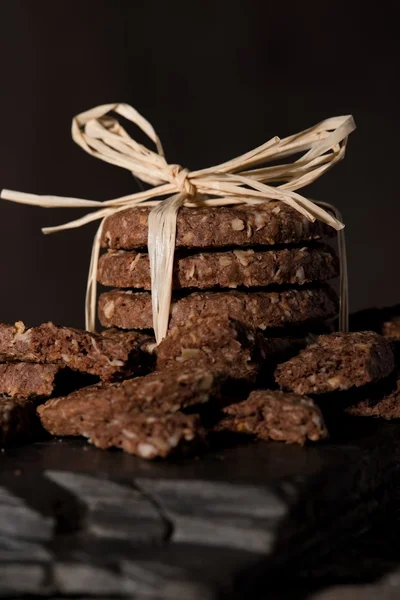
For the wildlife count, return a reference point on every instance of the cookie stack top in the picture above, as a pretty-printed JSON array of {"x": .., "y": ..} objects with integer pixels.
[
  {"x": 268, "y": 224},
  {"x": 261, "y": 264}
]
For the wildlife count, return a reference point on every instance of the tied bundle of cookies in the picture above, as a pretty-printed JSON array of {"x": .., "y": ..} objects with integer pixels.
[{"x": 263, "y": 265}]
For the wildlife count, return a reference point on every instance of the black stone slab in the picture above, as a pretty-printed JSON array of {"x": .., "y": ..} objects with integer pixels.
[{"x": 76, "y": 521}]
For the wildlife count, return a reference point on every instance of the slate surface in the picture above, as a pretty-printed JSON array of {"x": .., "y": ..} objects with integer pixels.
[{"x": 253, "y": 520}]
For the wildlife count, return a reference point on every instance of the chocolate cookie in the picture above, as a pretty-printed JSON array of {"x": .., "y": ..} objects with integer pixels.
[
  {"x": 382, "y": 401},
  {"x": 129, "y": 310},
  {"x": 149, "y": 436},
  {"x": 275, "y": 415},
  {"x": 337, "y": 361},
  {"x": 104, "y": 404},
  {"x": 216, "y": 340},
  {"x": 105, "y": 357},
  {"x": 231, "y": 269},
  {"x": 25, "y": 380},
  {"x": 242, "y": 225},
  {"x": 145, "y": 342}
]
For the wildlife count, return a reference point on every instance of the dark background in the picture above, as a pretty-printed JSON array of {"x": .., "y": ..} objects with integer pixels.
[{"x": 215, "y": 78}]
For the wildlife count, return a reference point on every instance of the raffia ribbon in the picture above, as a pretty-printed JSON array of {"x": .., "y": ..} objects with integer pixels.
[{"x": 242, "y": 180}]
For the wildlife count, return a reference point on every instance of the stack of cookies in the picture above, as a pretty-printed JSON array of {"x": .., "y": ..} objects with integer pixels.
[{"x": 262, "y": 265}]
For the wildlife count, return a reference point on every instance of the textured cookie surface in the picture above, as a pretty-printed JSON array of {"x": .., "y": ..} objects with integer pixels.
[
  {"x": 26, "y": 380},
  {"x": 383, "y": 402},
  {"x": 215, "y": 340},
  {"x": 132, "y": 310},
  {"x": 276, "y": 415},
  {"x": 231, "y": 269},
  {"x": 105, "y": 357},
  {"x": 158, "y": 393},
  {"x": 242, "y": 225},
  {"x": 149, "y": 436},
  {"x": 141, "y": 416},
  {"x": 337, "y": 361}
]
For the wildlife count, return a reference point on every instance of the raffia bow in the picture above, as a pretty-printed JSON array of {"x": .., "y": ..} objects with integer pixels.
[{"x": 242, "y": 180}]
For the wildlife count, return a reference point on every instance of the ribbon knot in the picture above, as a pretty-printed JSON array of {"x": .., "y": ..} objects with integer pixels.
[{"x": 180, "y": 176}]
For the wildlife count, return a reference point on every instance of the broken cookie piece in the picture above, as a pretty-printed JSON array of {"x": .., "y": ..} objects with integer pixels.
[
  {"x": 241, "y": 352},
  {"x": 141, "y": 416},
  {"x": 275, "y": 415},
  {"x": 149, "y": 436},
  {"x": 26, "y": 380},
  {"x": 337, "y": 361},
  {"x": 158, "y": 393},
  {"x": 382, "y": 401},
  {"x": 18, "y": 420},
  {"x": 39, "y": 381},
  {"x": 217, "y": 341},
  {"x": 137, "y": 339},
  {"x": 106, "y": 357}
]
